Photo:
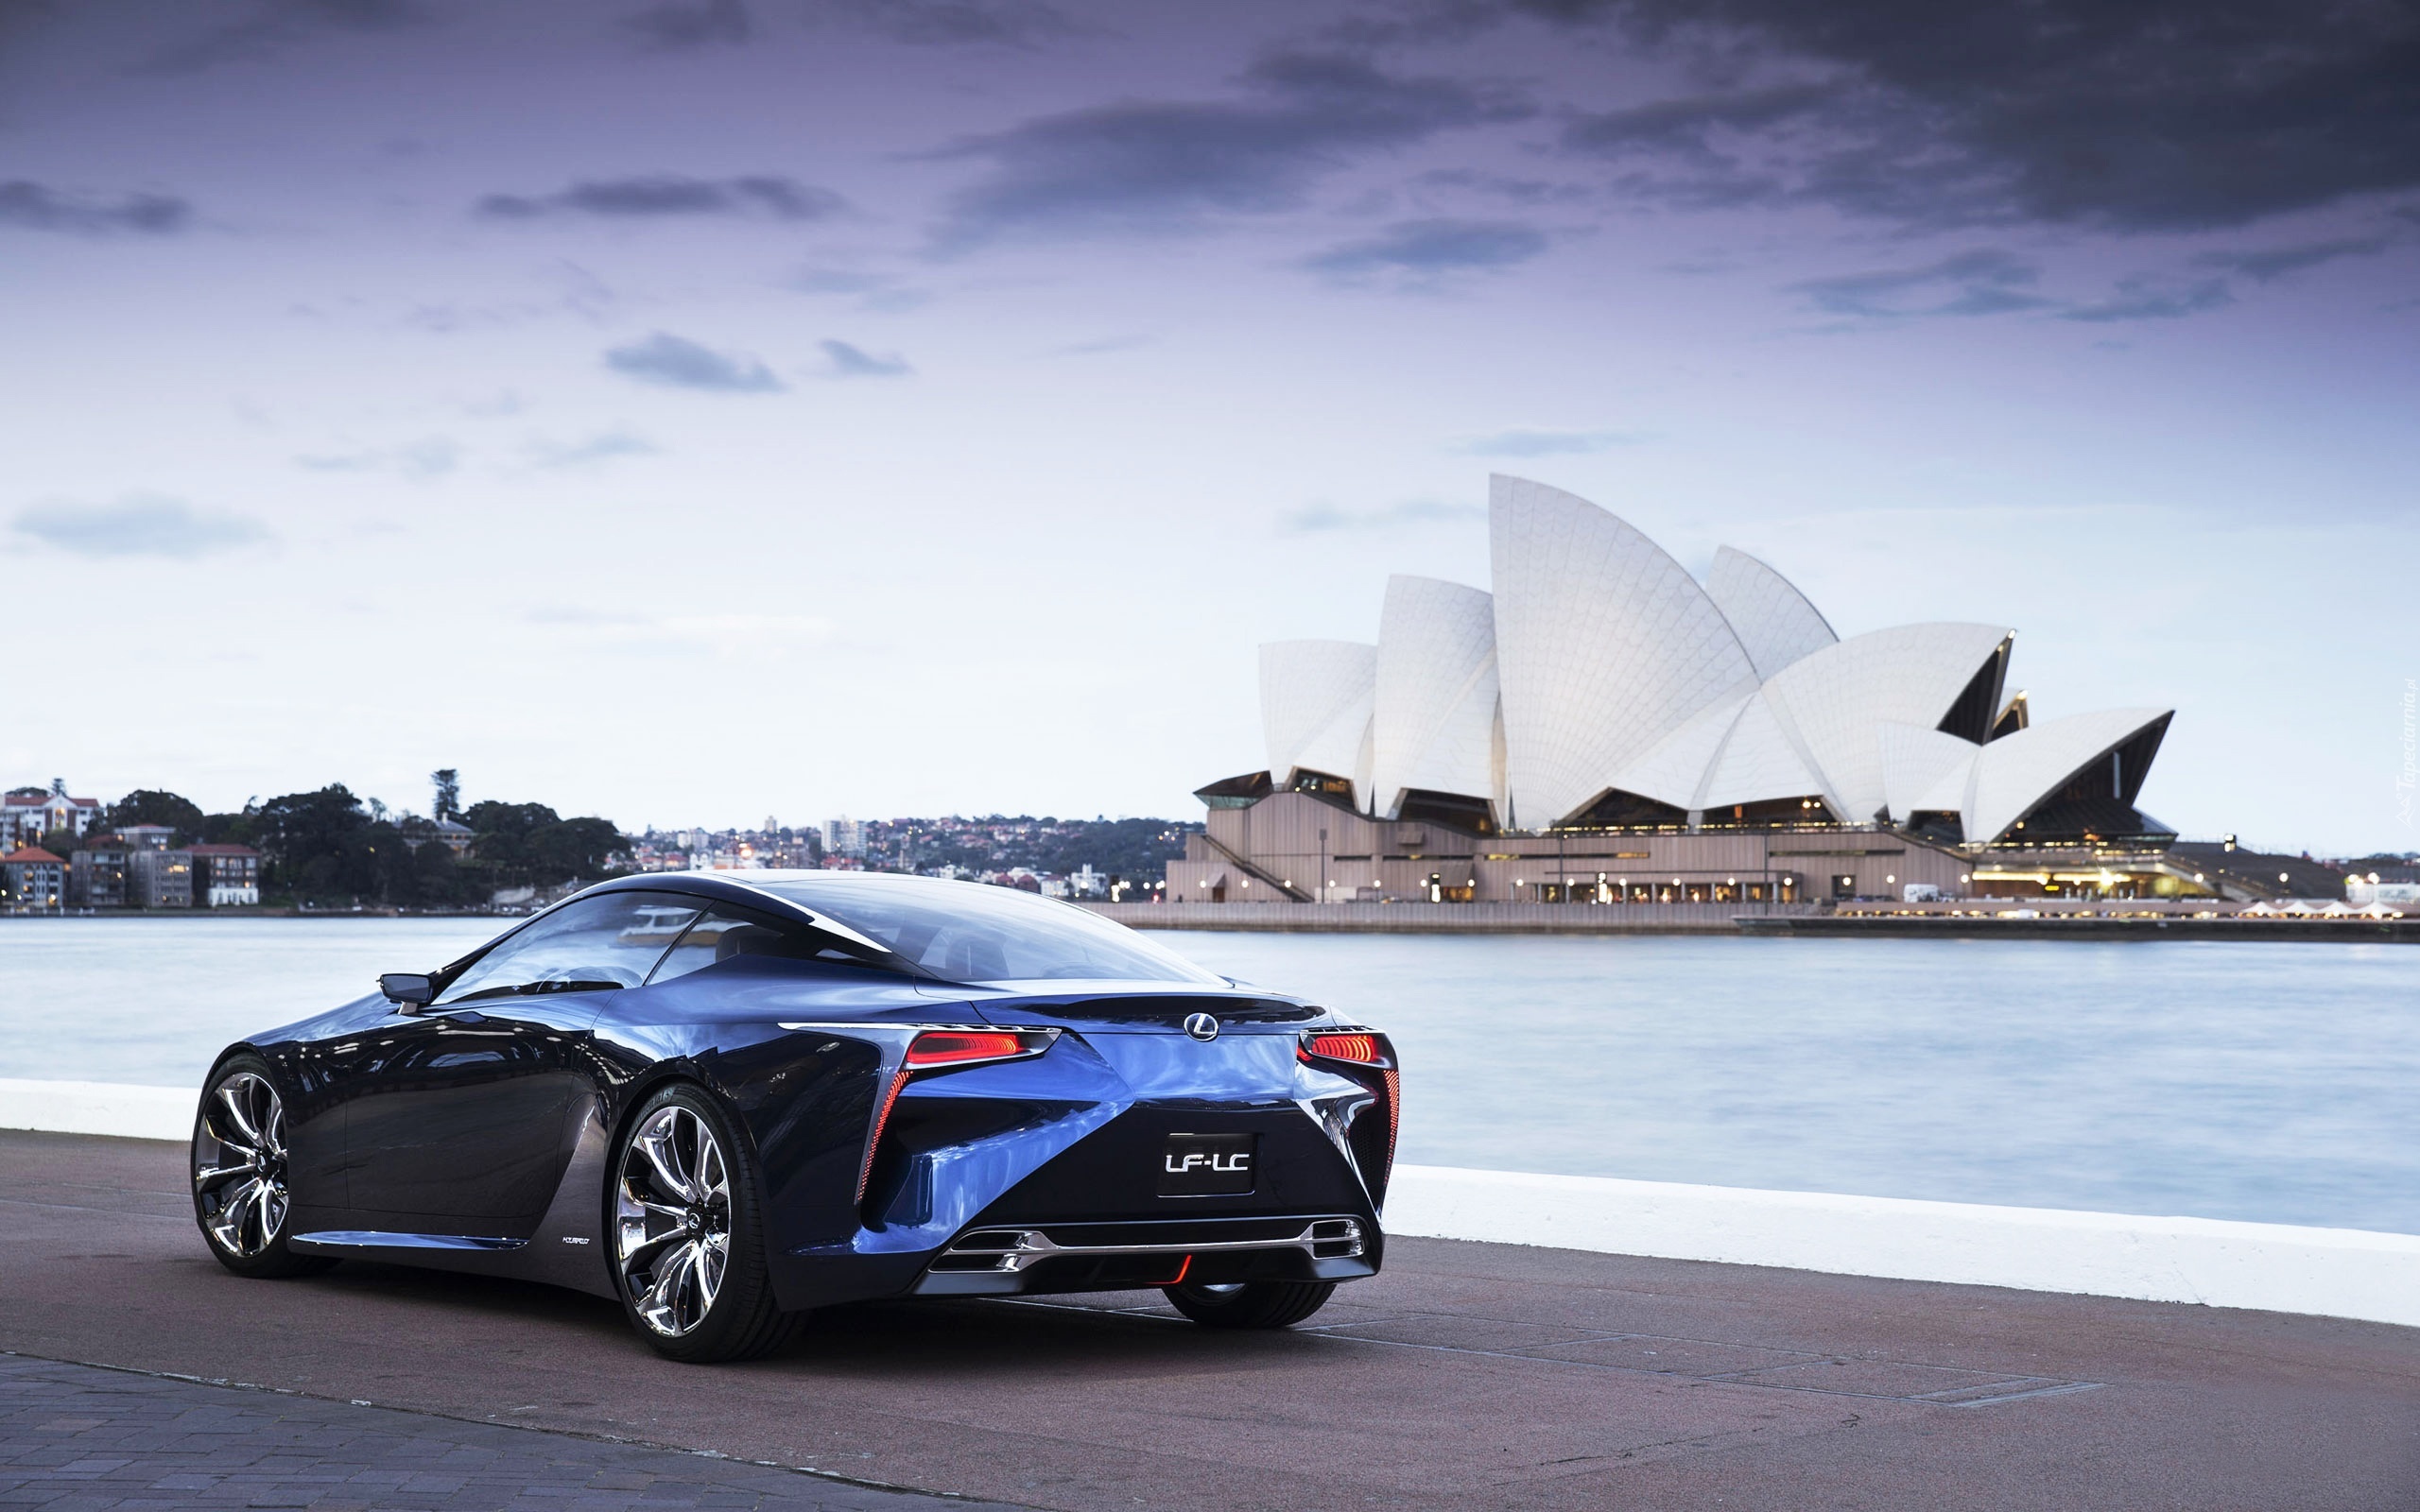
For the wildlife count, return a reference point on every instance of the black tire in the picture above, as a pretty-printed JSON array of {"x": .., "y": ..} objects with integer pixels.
[
  {"x": 1250, "y": 1304},
  {"x": 237, "y": 1164},
  {"x": 692, "y": 1315}
]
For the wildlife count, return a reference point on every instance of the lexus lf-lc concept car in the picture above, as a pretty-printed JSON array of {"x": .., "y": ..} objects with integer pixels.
[{"x": 729, "y": 1099}]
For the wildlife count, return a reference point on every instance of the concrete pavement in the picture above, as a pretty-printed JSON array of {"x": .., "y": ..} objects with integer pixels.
[
  {"x": 75, "y": 1436},
  {"x": 1468, "y": 1377}
]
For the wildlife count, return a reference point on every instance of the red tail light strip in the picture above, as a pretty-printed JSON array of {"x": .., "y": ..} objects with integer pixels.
[
  {"x": 1363, "y": 1049},
  {"x": 947, "y": 1050},
  {"x": 1394, "y": 1116},
  {"x": 948, "y": 1047},
  {"x": 873, "y": 1141}
]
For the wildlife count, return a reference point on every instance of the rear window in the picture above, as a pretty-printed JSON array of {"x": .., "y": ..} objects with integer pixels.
[{"x": 973, "y": 932}]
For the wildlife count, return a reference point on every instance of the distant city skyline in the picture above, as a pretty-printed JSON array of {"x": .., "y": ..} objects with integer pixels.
[{"x": 690, "y": 411}]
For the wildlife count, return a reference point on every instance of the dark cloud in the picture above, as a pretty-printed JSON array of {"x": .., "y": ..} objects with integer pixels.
[
  {"x": 274, "y": 26},
  {"x": 1501, "y": 187},
  {"x": 2276, "y": 262},
  {"x": 1549, "y": 443},
  {"x": 677, "y": 362},
  {"x": 677, "y": 26},
  {"x": 1988, "y": 282},
  {"x": 1319, "y": 517},
  {"x": 2142, "y": 299},
  {"x": 2135, "y": 115},
  {"x": 852, "y": 362},
  {"x": 1426, "y": 248},
  {"x": 663, "y": 195},
  {"x": 951, "y": 22},
  {"x": 29, "y": 206},
  {"x": 139, "y": 524},
  {"x": 1977, "y": 282},
  {"x": 1154, "y": 165}
]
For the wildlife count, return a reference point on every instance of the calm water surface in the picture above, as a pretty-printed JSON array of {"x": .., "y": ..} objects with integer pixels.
[{"x": 2277, "y": 1082}]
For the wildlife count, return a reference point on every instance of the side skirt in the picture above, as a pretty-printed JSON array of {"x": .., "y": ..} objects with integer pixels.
[{"x": 568, "y": 1248}]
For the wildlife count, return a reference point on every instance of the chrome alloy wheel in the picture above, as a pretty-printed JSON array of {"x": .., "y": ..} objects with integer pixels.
[
  {"x": 239, "y": 1164},
  {"x": 672, "y": 1220}
]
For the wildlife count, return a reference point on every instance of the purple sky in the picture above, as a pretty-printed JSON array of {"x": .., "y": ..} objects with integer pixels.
[{"x": 690, "y": 412}]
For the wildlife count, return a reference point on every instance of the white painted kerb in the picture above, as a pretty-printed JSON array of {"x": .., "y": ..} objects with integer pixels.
[
  {"x": 2279, "y": 1267},
  {"x": 100, "y": 1108},
  {"x": 2335, "y": 1271}
]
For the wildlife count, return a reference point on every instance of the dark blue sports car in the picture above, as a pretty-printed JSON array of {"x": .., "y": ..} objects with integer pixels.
[{"x": 728, "y": 1099}]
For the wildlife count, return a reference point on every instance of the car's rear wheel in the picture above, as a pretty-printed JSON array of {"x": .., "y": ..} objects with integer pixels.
[
  {"x": 239, "y": 1172},
  {"x": 689, "y": 1235},
  {"x": 1250, "y": 1304}
]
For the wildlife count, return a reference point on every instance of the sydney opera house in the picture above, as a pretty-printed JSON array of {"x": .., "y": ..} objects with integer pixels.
[{"x": 1602, "y": 727}]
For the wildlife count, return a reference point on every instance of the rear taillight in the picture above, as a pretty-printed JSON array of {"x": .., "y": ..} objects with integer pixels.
[
  {"x": 948, "y": 1050},
  {"x": 1367, "y": 1057},
  {"x": 965, "y": 1047},
  {"x": 1361, "y": 1049}
]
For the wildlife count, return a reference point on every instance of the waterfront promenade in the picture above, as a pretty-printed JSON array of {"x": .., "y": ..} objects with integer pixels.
[
  {"x": 1469, "y": 1376},
  {"x": 1979, "y": 918}
]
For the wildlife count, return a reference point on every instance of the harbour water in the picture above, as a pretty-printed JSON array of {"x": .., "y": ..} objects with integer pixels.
[{"x": 2276, "y": 1082}]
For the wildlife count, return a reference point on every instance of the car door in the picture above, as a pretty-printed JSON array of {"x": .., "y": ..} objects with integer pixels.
[{"x": 463, "y": 1114}]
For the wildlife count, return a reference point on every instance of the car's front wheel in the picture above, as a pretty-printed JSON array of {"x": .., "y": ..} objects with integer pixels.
[
  {"x": 239, "y": 1172},
  {"x": 1250, "y": 1304},
  {"x": 689, "y": 1236}
]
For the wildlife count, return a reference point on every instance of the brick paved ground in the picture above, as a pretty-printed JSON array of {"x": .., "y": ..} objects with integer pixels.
[{"x": 75, "y": 1438}]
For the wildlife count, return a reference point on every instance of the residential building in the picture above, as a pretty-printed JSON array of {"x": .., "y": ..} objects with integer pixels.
[
  {"x": 28, "y": 814},
  {"x": 457, "y": 835},
  {"x": 844, "y": 836},
  {"x": 226, "y": 876},
  {"x": 158, "y": 879},
  {"x": 146, "y": 837},
  {"x": 34, "y": 878},
  {"x": 96, "y": 876}
]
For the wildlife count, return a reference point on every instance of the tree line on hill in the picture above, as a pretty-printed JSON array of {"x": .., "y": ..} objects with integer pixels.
[
  {"x": 1138, "y": 850},
  {"x": 330, "y": 849}
]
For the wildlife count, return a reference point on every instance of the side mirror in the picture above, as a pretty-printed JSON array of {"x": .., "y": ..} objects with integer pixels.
[{"x": 407, "y": 987}]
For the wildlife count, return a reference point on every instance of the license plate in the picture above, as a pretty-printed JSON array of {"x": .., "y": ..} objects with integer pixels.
[{"x": 1208, "y": 1165}]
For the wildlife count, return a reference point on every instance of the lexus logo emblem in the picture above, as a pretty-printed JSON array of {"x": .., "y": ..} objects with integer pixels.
[{"x": 1201, "y": 1027}]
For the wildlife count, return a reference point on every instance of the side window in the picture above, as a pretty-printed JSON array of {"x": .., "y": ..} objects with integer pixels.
[
  {"x": 723, "y": 932},
  {"x": 597, "y": 943}
]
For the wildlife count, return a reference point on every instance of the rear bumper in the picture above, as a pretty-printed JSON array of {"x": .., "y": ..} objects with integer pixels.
[{"x": 1003, "y": 1260}]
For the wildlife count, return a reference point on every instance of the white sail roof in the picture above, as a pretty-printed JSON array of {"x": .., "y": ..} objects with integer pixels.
[
  {"x": 2015, "y": 772},
  {"x": 1922, "y": 765},
  {"x": 1832, "y": 702},
  {"x": 1434, "y": 726},
  {"x": 1775, "y": 624},
  {"x": 1599, "y": 664},
  {"x": 1674, "y": 768},
  {"x": 1604, "y": 645},
  {"x": 1758, "y": 761},
  {"x": 1315, "y": 706}
]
